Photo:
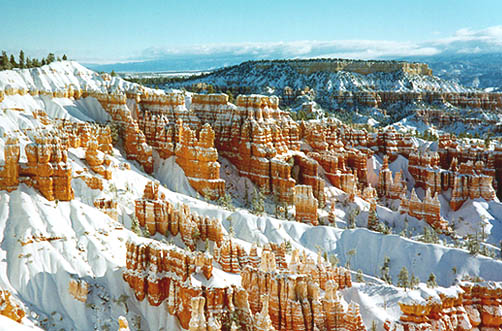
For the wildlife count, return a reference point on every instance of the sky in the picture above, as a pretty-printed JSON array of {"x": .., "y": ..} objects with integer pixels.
[{"x": 104, "y": 31}]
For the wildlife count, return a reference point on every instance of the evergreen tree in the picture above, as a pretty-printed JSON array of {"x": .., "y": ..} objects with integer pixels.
[
  {"x": 359, "y": 276},
  {"x": 230, "y": 96},
  {"x": 113, "y": 73},
  {"x": 246, "y": 194},
  {"x": 431, "y": 282},
  {"x": 403, "y": 278},
  {"x": 135, "y": 226},
  {"x": 258, "y": 202},
  {"x": 225, "y": 201},
  {"x": 28, "y": 63},
  {"x": 4, "y": 61},
  {"x": 414, "y": 281},
  {"x": 385, "y": 270},
  {"x": 42, "y": 63},
  {"x": 13, "y": 61},
  {"x": 21, "y": 59},
  {"x": 50, "y": 58},
  {"x": 351, "y": 224},
  {"x": 35, "y": 63},
  {"x": 64, "y": 57},
  {"x": 473, "y": 245}
]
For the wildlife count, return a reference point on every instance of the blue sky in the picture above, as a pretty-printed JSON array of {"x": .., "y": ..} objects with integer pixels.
[{"x": 113, "y": 30}]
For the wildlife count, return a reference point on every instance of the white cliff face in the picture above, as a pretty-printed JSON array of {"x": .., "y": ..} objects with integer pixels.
[{"x": 63, "y": 262}]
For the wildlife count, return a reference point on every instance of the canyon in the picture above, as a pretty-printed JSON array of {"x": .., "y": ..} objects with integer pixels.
[{"x": 88, "y": 157}]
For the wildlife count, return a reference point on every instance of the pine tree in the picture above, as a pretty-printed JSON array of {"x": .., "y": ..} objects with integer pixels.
[
  {"x": 473, "y": 245},
  {"x": 113, "y": 73},
  {"x": 135, "y": 226},
  {"x": 385, "y": 270},
  {"x": 414, "y": 281},
  {"x": 28, "y": 63},
  {"x": 258, "y": 202},
  {"x": 359, "y": 276},
  {"x": 21, "y": 59},
  {"x": 351, "y": 224},
  {"x": 431, "y": 282},
  {"x": 4, "y": 61},
  {"x": 42, "y": 63},
  {"x": 64, "y": 57},
  {"x": 230, "y": 96},
  {"x": 225, "y": 201},
  {"x": 50, "y": 58},
  {"x": 403, "y": 278},
  {"x": 13, "y": 61}
]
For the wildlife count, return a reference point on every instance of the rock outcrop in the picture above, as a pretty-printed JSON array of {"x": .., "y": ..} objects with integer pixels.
[
  {"x": 158, "y": 215},
  {"x": 160, "y": 273},
  {"x": 428, "y": 209},
  {"x": 294, "y": 294},
  {"x": 466, "y": 180},
  {"x": 47, "y": 169},
  {"x": 475, "y": 306},
  {"x": 109, "y": 207},
  {"x": 9, "y": 308},
  {"x": 305, "y": 205}
]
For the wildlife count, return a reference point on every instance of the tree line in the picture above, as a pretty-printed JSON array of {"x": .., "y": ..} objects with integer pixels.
[{"x": 9, "y": 61}]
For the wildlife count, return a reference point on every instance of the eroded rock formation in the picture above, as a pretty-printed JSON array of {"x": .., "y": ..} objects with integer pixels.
[
  {"x": 305, "y": 205},
  {"x": 475, "y": 306},
  {"x": 158, "y": 215},
  {"x": 428, "y": 209},
  {"x": 47, "y": 169},
  {"x": 9, "y": 307}
]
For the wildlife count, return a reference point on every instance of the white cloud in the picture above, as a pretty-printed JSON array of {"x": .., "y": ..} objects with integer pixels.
[
  {"x": 468, "y": 41},
  {"x": 362, "y": 49},
  {"x": 464, "y": 41}
]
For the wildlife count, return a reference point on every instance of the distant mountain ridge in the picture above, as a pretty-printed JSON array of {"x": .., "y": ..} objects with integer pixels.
[{"x": 473, "y": 70}]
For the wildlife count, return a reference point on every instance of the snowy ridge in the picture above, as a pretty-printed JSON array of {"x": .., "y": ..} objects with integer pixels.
[{"x": 278, "y": 75}]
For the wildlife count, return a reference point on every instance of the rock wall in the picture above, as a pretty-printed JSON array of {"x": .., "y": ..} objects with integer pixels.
[
  {"x": 171, "y": 130},
  {"x": 9, "y": 308},
  {"x": 429, "y": 209},
  {"x": 466, "y": 180},
  {"x": 305, "y": 205},
  {"x": 383, "y": 99},
  {"x": 255, "y": 135},
  {"x": 476, "y": 306},
  {"x": 198, "y": 158},
  {"x": 160, "y": 273},
  {"x": 294, "y": 294},
  {"x": 388, "y": 187},
  {"x": 158, "y": 215},
  {"x": 302, "y": 294},
  {"x": 109, "y": 207},
  {"x": 135, "y": 144},
  {"x": 47, "y": 169},
  {"x": 308, "y": 67}
]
